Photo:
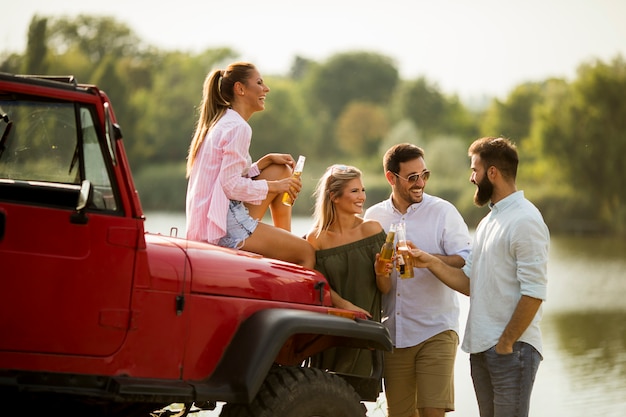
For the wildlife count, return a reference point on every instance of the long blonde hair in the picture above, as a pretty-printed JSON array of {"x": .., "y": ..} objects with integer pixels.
[
  {"x": 331, "y": 185},
  {"x": 217, "y": 97}
]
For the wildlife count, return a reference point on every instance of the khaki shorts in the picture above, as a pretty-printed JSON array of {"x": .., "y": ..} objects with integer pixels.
[{"x": 421, "y": 376}]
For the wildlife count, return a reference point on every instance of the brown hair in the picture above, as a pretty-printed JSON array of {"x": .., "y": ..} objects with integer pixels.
[
  {"x": 499, "y": 152},
  {"x": 401, "y": 152},
  {"x": 217, "y": 96}
]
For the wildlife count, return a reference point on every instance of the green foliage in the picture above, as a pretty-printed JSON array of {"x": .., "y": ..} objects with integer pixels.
[
  {"x": 447, "y": 159},
  {"x": 403, "y": 131},
  {"x": 352, "y": 76},
  {"x": 350, "y": 109},
  {"x": 95, "y": 36},
  {"x": 459, "y": 120},
  {"x": 164, "y": 109},
  {"x": 582, "y": 128},
  {"x": 300, "y": 68},
  {"x": 423, "y": 103},
  {"x": 71, "y": 62},
  {"x": 361, "y": 128},
  {"x": 36, "y": 49},
  {"x": 283, "y": 127},
  {"x": 11, "y": 63},
  {"x": 162, "y": 187},
  {"x": 513, "y": 117},
  {"x": 114, "y": 84},
  {"x": 564, "y": 211},
  {"x": 432, "y": 112}
]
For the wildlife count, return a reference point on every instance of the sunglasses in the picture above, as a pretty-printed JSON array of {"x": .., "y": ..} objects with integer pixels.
[
  {"x": 414, "y": 178},
  {"x": 338, "y": 168}
]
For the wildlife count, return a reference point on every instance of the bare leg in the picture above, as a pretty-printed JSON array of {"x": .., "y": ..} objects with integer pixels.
[
  {"x": 281, "y": 214},
  {"x": 273, "y": 242}
]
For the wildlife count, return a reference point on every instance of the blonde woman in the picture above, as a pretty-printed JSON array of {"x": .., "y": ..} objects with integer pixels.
[
  {"x": 227, "y": 194},
  {"x": 346, "y": 250}
]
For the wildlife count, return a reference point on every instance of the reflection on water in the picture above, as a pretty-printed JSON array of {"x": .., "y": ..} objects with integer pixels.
[
  {"x": 586, "y": 273},
  {"x": 586, "y": 315},
  {"x": 599, "y": 337},
  {"x": 592, "y": 347},
  {"x": 584, "y": 368}
]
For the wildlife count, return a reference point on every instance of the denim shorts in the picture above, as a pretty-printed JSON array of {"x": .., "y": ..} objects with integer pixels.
[{"x": 239, "y": 226}]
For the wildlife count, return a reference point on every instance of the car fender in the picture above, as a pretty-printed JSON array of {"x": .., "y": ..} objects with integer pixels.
[{"x": 259, "y": 340}]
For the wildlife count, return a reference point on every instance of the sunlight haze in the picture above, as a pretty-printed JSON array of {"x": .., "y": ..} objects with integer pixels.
[{"x": 470, "y": 48}]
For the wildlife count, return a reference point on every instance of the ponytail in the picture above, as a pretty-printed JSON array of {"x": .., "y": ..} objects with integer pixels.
[{"x": 217, "y": 96}]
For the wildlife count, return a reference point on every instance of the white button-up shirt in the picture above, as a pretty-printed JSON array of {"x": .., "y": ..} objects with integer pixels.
[
  {"x": 419, "y": 308},
  {"x": 509, "y": 259}
]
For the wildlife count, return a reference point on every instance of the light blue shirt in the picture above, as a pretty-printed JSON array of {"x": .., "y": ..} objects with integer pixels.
[
  {"x": 416, "y": 309},
  {"x": 509, "y": 259}
]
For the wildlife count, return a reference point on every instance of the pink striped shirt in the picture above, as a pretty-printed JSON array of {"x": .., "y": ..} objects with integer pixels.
[{"x": 222, "y": 171}]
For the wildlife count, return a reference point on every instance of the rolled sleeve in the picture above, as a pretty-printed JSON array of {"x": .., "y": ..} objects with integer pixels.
[
  {"x": 531, "y": 244},
  {"x": 253, "y": 171}
]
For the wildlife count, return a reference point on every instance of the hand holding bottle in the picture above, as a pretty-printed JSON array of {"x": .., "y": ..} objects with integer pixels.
[
  {"x": 419, "y": 258},
  {"x": 288, "y": 200},
  {"x": 405, "y": 265},
  {"x": 383, "y": 267},
  {"x": 384, "y": 259}
]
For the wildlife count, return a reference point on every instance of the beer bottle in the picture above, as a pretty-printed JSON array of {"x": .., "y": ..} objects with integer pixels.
[
  {"x": 386, "y": 252},
  {"x": 405, "y": 265},
  {"x": 297, "y": 172}
]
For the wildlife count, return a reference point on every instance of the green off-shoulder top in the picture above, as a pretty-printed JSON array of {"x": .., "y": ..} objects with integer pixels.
[{"x": 349, "y": 270}]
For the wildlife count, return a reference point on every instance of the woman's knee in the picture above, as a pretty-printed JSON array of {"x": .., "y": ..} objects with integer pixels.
[
  {"x": 275, "y": 172},
  {"x": 308, "y": 260}
]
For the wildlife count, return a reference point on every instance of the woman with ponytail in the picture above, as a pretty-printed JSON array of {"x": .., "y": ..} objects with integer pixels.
[{"x": 227, "y": 194}]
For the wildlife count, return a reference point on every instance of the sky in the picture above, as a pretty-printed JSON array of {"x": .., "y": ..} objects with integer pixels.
[{"x": 472, "y": 48}]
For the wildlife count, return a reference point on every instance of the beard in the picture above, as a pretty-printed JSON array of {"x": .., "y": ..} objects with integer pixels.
[{"x": 484, "y": 191}]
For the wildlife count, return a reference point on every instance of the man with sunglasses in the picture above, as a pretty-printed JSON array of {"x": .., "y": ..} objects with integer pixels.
[{"x": 421, "y": 313}]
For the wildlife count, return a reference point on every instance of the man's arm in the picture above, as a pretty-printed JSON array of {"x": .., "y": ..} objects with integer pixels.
[
  {"x": 456, "y": 261},
  {"x": 453, "y": 277},
  {"x": 520, "y": 320}
]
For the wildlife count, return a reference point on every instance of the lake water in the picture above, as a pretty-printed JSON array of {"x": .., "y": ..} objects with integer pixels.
[{"x": 584, "y": 368}]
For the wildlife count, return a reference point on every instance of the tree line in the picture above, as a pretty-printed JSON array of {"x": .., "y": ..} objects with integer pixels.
[{"x": 349, "y": 109}]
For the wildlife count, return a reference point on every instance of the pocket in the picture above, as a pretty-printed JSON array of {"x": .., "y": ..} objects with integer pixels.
[{"x": 516, "y": 352}]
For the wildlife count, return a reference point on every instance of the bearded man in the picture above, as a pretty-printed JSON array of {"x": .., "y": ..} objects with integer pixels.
[{"x": 505, "y": 277}]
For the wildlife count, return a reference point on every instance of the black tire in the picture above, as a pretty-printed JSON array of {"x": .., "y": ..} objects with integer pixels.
[{"x": 300, "y": 392}]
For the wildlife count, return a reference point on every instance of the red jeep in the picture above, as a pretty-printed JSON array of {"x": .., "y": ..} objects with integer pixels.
[{"x": 100, "y": 318}]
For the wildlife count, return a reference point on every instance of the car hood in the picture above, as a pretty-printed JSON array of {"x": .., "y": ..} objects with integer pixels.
[{"x": 214, "y": 270}]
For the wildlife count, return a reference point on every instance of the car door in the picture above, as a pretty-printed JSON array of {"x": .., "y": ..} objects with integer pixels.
[{"x": 65, "y": 275}]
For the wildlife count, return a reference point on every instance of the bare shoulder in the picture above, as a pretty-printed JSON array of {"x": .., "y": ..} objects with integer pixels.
[
  {"x": 371, "y": 227},
  {"x": 313, "y": 238}
]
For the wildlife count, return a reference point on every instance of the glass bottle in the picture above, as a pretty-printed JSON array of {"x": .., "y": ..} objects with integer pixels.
[
  {"x": 297, "y": 172},
  {"x": 388, "y": 248},
  {"x": 405, "y": 266}
]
